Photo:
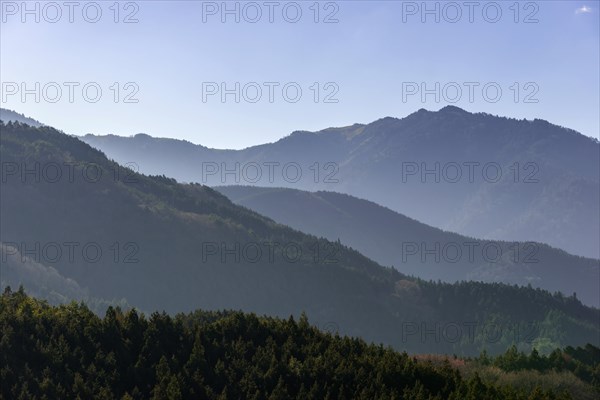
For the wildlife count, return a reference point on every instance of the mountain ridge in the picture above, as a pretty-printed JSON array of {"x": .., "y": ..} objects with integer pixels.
[
  {"x": 333, "y": 130},
  {"x": 393, "y": 239},
  {"x": 547, "y": 188}
]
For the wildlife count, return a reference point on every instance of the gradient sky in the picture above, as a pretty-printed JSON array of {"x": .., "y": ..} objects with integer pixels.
[{"x": 368, "y": 54}]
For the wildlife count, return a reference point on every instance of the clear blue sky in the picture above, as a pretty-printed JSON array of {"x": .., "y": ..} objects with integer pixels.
[{"x": 368, "y": 54}]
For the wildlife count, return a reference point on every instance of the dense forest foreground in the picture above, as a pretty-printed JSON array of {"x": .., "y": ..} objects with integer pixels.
[{"x": 68, "y": 352}]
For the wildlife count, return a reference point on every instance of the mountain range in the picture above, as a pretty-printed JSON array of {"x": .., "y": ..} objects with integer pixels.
[
  {"x": 161, "y": 245},
  {"x": 473, "y": 173},
  {"x": 414, "y": 248}
]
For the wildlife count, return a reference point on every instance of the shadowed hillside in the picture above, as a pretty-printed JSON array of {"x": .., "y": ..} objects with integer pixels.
[{"x": 418, "y": 249}]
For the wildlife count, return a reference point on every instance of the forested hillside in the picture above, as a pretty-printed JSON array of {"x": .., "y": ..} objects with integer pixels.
[
  {"x": 414, "y": 248},
  {"x": 160, "y": 245},
  {"x": 68, "y": 352}
]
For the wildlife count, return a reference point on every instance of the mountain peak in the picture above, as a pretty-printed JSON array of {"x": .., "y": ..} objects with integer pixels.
[
  {"x": 301, "y": 133},
  {"x": 453, "y": 109}
]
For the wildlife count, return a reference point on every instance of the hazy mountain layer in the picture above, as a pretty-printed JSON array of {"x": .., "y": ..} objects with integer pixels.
[
  {"x": 164, "y": 245},
  {"x": 10, "y": 115},
  {"x": 476, "y": 174},
  {"x": 414, "y": 248}
]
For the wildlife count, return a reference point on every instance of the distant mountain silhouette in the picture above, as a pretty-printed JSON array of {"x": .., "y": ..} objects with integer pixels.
[
  {"x": 418, "y": 249},
  {"x": 10, "y": 115},
  {"x": 142, "y": 238},
  {"x": 476, "y": 174}
]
